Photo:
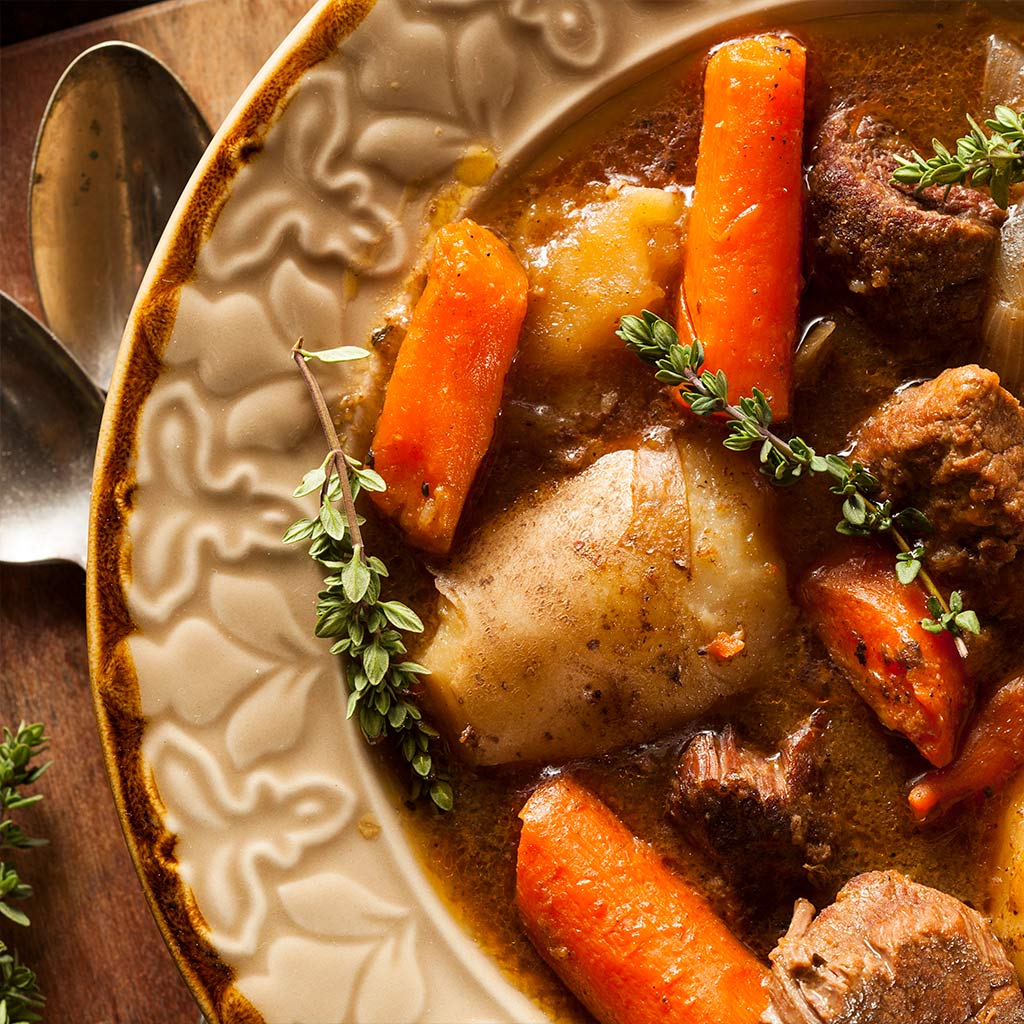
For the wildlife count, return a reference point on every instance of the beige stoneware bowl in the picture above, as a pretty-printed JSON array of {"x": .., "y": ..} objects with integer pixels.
[{"x": 271, "y": 852}]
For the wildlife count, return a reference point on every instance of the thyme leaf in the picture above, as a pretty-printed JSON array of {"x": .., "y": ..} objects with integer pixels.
[
  {"x": 995, "y": 160},
  {"x": 367, "y": 631},
  {"x": 784, "y": 462}
]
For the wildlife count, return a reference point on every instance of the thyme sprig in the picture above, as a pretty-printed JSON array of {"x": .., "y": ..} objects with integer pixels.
[
  {"x": 996, "y": 160},
  {"x": 17, "y": 752},
  {"x": 20, "y": 998},
  {"x": 864, "y": 511},
  {"x": 367, "y": 630}
]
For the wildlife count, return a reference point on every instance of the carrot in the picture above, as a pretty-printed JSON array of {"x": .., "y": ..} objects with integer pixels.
[
  {"x": 726, "y": 646},
  {"x": 741, "y": 276},
  {"x": 871, "y": 625},
  {"x": 633, "y": 941},
  {"x": 991, "y": 754},
  {"x": 444, "y": 393}
]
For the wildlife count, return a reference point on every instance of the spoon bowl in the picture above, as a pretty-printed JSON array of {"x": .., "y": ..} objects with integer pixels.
[
  {"x": 116, "y": 147},
  {"x": 50, "y": 412}
]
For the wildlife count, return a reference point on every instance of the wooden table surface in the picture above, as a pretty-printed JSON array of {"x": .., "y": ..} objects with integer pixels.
[{"x": 92, "y": 941}]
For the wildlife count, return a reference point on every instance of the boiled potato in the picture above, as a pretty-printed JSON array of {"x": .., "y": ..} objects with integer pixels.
[
  {"x": 617, "y": 253},
  {"x": 609, "y": 609},
  {"x": 1006, "y": 883}
]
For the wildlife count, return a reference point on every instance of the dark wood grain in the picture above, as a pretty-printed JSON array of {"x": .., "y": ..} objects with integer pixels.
[
  {"x": 93, "y": 942},
  {"x": 98, "y": 953}
]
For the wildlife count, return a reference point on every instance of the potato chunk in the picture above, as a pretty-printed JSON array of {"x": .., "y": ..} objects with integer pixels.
[
  {"x": 1006, "y": 881},
  {"x": 614, "y": 255},
  {"x": 586, "y": 618}
]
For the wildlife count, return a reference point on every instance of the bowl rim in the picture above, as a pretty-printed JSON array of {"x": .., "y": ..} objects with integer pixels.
[{"x": 114, "y": 682}]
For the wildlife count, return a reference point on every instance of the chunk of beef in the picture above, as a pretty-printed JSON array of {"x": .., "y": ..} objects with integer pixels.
[
  {"x": 954, "y": 448},
  {"x": 917, "y": 263},
  {"x": 890, "y": 951},
  {"x": 753, "y": 814}
]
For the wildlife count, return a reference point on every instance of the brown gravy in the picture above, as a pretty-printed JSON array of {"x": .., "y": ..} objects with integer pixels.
[{"x": 927, "y": 68}]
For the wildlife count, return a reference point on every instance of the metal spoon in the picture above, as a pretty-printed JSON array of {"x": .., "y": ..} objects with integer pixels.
[
  {"x": 50, "y": 413},
  {"x": 116, "y": 147}
]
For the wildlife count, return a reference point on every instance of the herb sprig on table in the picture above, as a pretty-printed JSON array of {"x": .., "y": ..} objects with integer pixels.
[
  {"x": 367, "y": 629},
  {"x": 784, "y": 462},
  {"x": 995, "y": 160},
  {"x": 20, "y": 998},
  {"x": 17, "y": 751}
]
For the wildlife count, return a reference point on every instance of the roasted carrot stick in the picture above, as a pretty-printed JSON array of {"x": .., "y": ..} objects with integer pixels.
[
  {"x": 741, "y": 275},
  {"x": 633, "y": 941},
  {"x": 871, "y": 624},
  {"x": 444, "y": 393},
  {"x": 992, "y": 752}
]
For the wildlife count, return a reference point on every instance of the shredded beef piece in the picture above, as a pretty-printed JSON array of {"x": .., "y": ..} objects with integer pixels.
[
  {"x": 915, "y": 262},
  {"x": 954, "y": 448},
  {"x": 890, "y": 951},
  {"x": 753, "y": 814}
]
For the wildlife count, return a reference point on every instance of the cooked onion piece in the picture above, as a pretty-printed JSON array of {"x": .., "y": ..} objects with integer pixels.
[
  {"x": 1006, "y": 882},
  {"x": 1004, "y": 73},
  {"x": 587, "y": 618},
  {"x": 812, "y": 348},
  {"x": 1002, "y": 348}
]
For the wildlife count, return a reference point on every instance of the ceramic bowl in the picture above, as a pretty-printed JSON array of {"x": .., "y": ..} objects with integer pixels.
[{"x": 270, "y": 848}]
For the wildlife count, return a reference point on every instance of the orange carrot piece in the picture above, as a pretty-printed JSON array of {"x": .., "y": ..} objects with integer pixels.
[
  {"x": 633, "y": 941},
  {"x": 871, "y": 624},
  {"x": 991, "y": 754},
  {"x": 726, "y": 646},
  {"x": 741, "y": 276},
  {"x": 444, "y": 393}
]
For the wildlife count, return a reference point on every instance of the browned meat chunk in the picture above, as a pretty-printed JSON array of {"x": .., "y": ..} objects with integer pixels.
[
  {"x": 954, "y": 448},
  {"x": 753, "y": 814},
  {"x": 890, "y": 951},
  {"x": 916, "y": 263}
]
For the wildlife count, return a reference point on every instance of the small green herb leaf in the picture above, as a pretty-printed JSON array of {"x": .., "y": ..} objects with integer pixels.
[
  {"x": 355, "y": 577},
  {"x": 375, "y": 661},
  {"x": 441, "y": 794},
  {"x": 906, "y": 572},
  {"x": 14, "y": 914},
  {"x": 908, "y": 564},
  {"x": 968, "y": 621},
  {"x": 300, "y": 530},
  {"x": 402, "y": 616},
  {"x": 332, "y": 521},
  {"x": 313, "y": 480}
]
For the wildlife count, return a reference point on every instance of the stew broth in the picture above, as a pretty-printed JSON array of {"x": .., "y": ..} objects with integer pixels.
[{"x": 927, "y": 69}]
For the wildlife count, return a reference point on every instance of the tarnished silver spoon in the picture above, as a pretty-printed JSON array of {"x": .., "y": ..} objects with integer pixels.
[
  {"x": 116, "y": 147},
  {"x": 50, "y": 413}
]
